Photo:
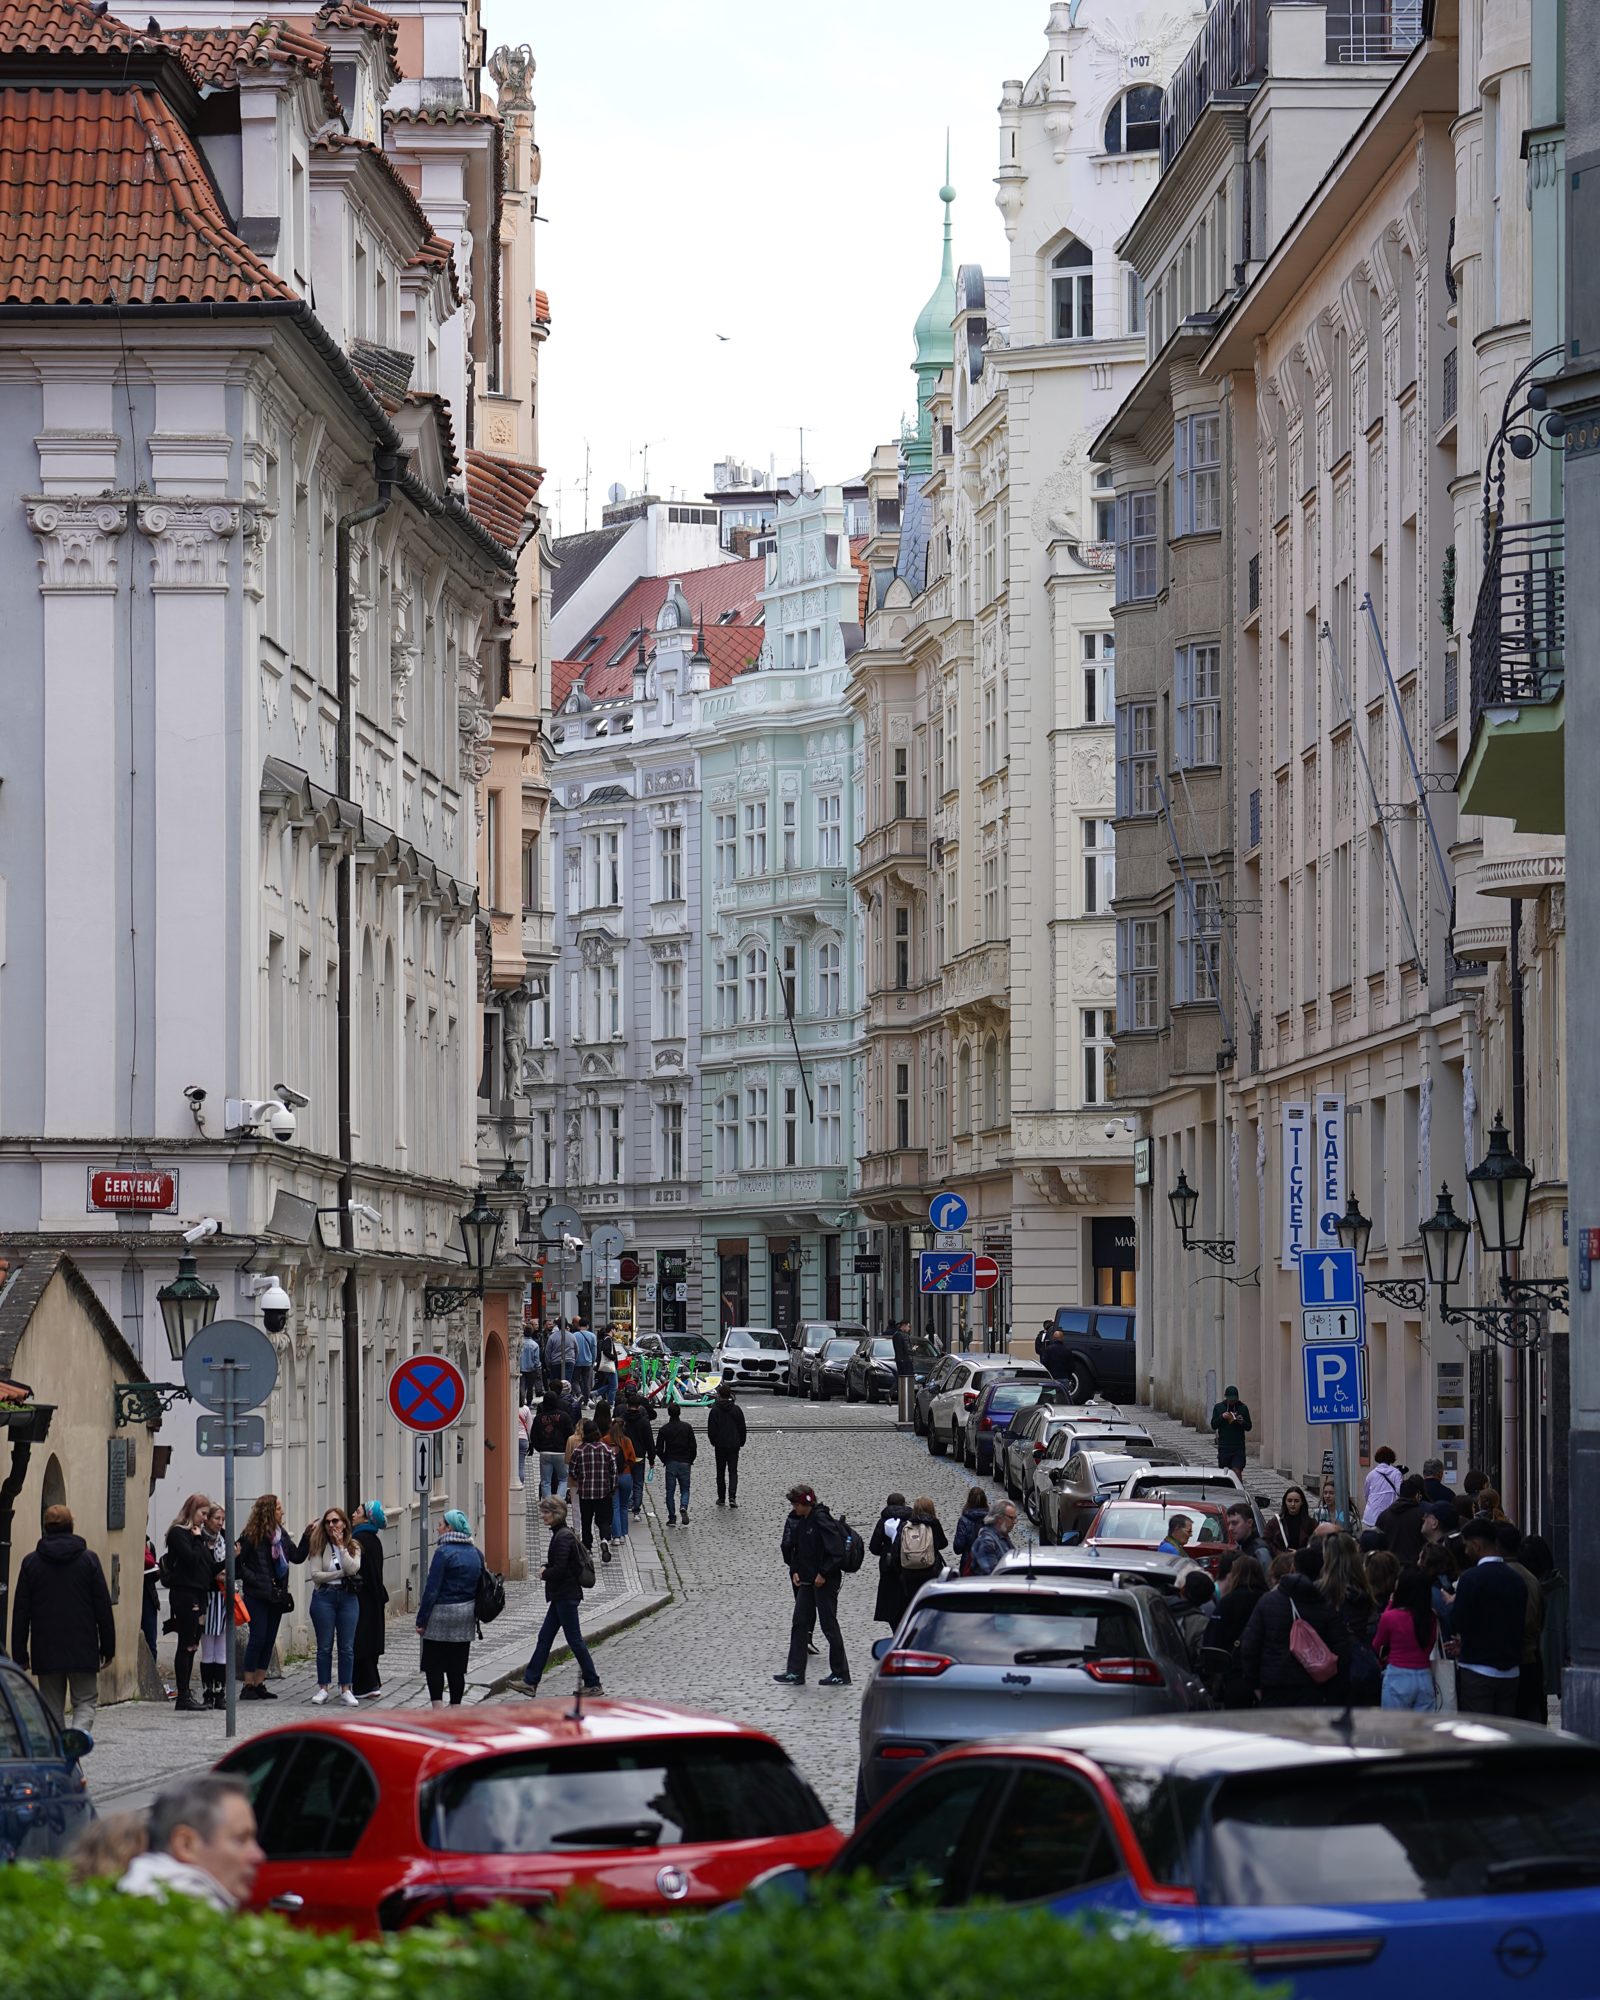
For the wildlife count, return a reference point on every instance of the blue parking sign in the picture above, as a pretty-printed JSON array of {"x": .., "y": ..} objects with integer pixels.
[{"x": 1333, "y": 1384}]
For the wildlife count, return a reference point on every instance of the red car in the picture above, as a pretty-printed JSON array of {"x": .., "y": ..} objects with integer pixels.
[
  {"x": 382, "y": 1820},
  {"x": 1142, "y": 1524}
]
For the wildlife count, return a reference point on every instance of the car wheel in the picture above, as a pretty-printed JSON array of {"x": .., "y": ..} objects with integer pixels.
[
  {"x": 936, "y": 1444},
  {"x": 1078, "y": 1382},
  {"x": 872, "y": 1392},
  {"x": 918, "y": 1426}
]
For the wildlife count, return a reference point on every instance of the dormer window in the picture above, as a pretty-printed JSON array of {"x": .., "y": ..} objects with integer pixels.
[
  {"x": 1134, "y": 123},
  {"x": 1072, "y": 291}
]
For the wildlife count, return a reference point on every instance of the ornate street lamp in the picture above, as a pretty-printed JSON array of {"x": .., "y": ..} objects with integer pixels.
[
  {"x": 480, "y": 1238},
  {"x": 1184, "y": 1201},
  {"x": 188, "y": 1306},
  {"x": 1354, "y": 1231},
  {"x": 1499, "y": 1186},
  {"x": 1444, "y": 1245}
]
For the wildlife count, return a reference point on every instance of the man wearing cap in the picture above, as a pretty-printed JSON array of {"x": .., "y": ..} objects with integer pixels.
[
  {"x": 1230, "y": 1419},
  {"x": 368, "y": 1526},
  {"x": 813, "y": 1554}
]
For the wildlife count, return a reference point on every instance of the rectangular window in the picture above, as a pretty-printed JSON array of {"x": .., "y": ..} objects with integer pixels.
[
  {"x": 790, "y": 834},
  {"x": 1138, "y": 557},
  {"x": 532, "y": 887},
  {"x": 669, "y": 997},
  {"x": 902, "y": 1106},
  {"x": 991, "y": 897},
  {"x": 791, "y": 979},
  {"x": 902, "y": 946},
  {"x": 602, "y": 869},
  {"x": 991, "y": 730},
  {"x": 1135, "y": 303},
  {"x": 902, "y": 782},
  {"x": 1099, "y": 676},
  {"x": 1137, "y": 792},
  {"x": 724, "y": 850},
  {"x": 938, "y": 926},
  {"x": 1072, "y": 296},
  {"x": 830, "y": 1124},
  {"x": 987, "y": 567},
  {"x": 725, "y": 1012},
  {"x": 755, "y": 1124},
  {"x": 669, "y": 1141},
  {"x": 1198, "y": 971},
  {"x": 830, "y": 981},
  {"x": 755, "y": 838},
  {"x": 1198, "y": 679},
  {"x": 1139, "y": 973},
  {"x": 830, "y": 830},
  {"x": 669, "y": 864},
  {"x": 952, "y": 744},
  {"x": 952, "y": 908},
  {"x": 755, "y": 984},
  {"x": 1197, "y": 463},
  {"x": 611, "y": 1152},
  {"x": 791, "y": 1126},
  {"x": 938, "y": 758},
  {"x": 1099, "y": 1060},
  {"x": 725, "y": 1134},
  {"x": 1099, "y": 867}
]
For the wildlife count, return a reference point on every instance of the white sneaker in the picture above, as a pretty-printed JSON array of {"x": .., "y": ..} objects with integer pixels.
[
  {"x": 319, "y": 1697},
  {"x": 349, "y": 1699}
]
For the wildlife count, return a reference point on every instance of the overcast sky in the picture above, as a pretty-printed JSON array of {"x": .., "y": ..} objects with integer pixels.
[{"x": 771, "y": 174}]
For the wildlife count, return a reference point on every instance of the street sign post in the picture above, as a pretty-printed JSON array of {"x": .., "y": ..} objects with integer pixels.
[
  {"x": 985, "y": 1273},
  {"x": 1330, "y": 1278},
  {"x": 422, "y": 1464},
  {"x": 947, "y": 1212},
  {"x": 427, "y": 1394},
  {"x": 229, "y": 1368},
  {"x": 211, "y": 1437},
  {"x": 1322, "y": 1323},
  {"x": 1333, "y": 1318},
  {"x": 1333, "y": 1384},
  {"x": 945, "y": 1271}
]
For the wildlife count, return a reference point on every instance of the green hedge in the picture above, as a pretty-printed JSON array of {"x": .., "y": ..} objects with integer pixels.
[{"x": 89, "y": 1943}]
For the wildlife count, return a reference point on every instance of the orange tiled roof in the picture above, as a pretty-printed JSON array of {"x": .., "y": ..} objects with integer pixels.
[
  {"x": 214, "y": 55},
  {"x": 499, "y": 493},
  {"x": 731, "y": 590},
  {"x": 67, "y": 28},
  {"x": 437, "y": 114},
  {"x": 108, "y": 201},
  {"x": 437, "y": 255},
  {"x": 353, "y": 14},
  {"x": 541, "y": 308}
]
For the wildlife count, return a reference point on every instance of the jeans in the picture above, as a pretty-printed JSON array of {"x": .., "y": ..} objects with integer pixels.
[
  {"x": 677, "y": 1479},
  {"x": 85, "y": 1697},
  {"x": 593, "y": 1513},
  {"x": 264, "y": 1623},
  {"x": 1409, "y": 1687},
  {"x": 334, "y": 1611},
  {"x": 817, "y": 1605},
  {"x": 562, "y": 1617},
  {"x": 727, "y": 1474},
  {"x": 624, "y": 1508},
  {"x": 552, "y": 1475},
  {"x": 1484, "y": 1694}
]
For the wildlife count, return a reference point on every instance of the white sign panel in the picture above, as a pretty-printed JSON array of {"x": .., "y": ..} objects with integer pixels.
[
  {"x": 1298, "y": 1183},
  {"x": 1328, "y": 1204}
]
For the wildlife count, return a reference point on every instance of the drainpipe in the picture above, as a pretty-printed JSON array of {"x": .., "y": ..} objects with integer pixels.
[{"x": 386, "y": 469}]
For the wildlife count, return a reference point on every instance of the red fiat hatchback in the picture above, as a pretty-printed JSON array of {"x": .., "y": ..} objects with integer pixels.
[{"x": 379, "y": 1821}]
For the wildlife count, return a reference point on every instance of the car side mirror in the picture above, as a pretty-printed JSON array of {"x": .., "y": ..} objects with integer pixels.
[
  {"x": 76, "y": 1743},
  {"x": 882, "y": 1646},
  {"x": 1071, "y": 1539}
]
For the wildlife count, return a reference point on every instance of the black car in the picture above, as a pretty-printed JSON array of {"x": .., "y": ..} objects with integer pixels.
[
  {"x": 813, "y": 1332},
  {"x": 44, "y": 1802},
  {"x": 822, "y": 1369},
  {"x": 870, "y": 1377},
  {"x": 1094, "y": 1352}
]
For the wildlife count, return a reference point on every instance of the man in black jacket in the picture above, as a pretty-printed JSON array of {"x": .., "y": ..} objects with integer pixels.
[
  {"x": 813, "y": 1554},
  {"x": 1488, "y": 1621},
  {"x": 1401, "y": 1523},
  {"x": 725, "y": 1431},
  {"x": 676, "y": 1446},
  {"x": 639, "y": 1420},
  {"x": 63, "y": 1607},
  {"x": 1266, "y": 1656}
]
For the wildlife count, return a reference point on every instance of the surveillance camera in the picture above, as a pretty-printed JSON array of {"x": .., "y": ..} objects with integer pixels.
[
  {"x": 208, "y": 1225},
  {"x": 280, "y": 1123},
  {"x": 1111, "y": 1129},
  {"x": 195, "y": 1092},
  {"x": 287, "y": 1094},
  {"x": 275, "y": 1304},
  {"x": 367, "y": 1213}
]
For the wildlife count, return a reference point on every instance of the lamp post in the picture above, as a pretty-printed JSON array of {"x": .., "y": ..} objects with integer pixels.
[
  {"x": 1354, "y": 1231},
  {"x": 480, "y": 1238},
  {"x": 188, "y": 1306},
  {"x": 1444, "y": 1247},
  {"x": 1184, "y": 1201}
]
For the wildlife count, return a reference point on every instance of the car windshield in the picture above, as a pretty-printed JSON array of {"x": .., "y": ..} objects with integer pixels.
[
  {"x": 882, "y": 1349},
  {"x": 1130, "y": 1523},
  {"x": 1006, "y": 1630},
  {"x": 620, "y": 1795},
  {"x": 1109, "y": 1471},
  {"x": 838, "y": 1350},
  {"x": 754, "y": 1337},
  {"x": 684, "y": 1343},
  {"x": 1436, "y": 1828},
  {"x": 1014, "y": 1395},
  {"x": 1187, "y": 1489}
]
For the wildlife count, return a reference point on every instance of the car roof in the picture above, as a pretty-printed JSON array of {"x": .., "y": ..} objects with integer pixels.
[
  {"x": 1014, "y": 1572},
  {"x": 1172, "y": 1506},
  {"x": 1283, "y": 1739},
  {"x": 1209, "y": 1475},
  {"x": 986, "y": 1361},
  {"x": 1083, "y": 1559}
]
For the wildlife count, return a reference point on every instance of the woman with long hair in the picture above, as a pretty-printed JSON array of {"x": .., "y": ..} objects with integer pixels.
[
  {"x": 217, "y": 1635},
  {"x": 265, "y": 1554},
  {"x": 1343, "y": 1585},
  {"x": 1292, "y": 1526},
  {"x": 189, "y": 1570},
  {"x": 1404, "y": 1642},
  {"x": 334, "y": 1567},
  {"x": 370, "y": 1522}
]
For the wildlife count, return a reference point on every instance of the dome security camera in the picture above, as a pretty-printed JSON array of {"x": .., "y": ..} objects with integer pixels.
[
  {"x": 281, "y": 1124},
  {"x": 275, "y": 1305}
]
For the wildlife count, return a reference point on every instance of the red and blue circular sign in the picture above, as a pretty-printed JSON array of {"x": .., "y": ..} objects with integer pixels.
[{"x": 427, "y": 1393}]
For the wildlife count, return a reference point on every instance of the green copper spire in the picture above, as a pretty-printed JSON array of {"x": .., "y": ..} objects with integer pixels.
[{"x": 934, "y": 338}]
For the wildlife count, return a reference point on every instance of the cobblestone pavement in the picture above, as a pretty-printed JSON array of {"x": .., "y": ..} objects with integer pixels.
[{"x": 717, "y": 1591}]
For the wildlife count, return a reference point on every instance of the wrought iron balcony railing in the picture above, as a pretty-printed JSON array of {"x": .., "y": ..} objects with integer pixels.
[{"x": 1519, "y": 627}]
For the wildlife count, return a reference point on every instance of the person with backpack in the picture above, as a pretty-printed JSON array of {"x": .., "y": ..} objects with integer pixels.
[
  {"x": 816, "y": 1551},
  {"x": 1289, "y": 1652},
  {"x": 568, "y": 1572},
  {"x": 973, "y": 1515},
  {"x": 1382, "y": 1488},
  {"x": 725, "y": 1432},
  {"x": 592, "y": 1474},
  {"x": 447, "y": 1617},
  {"x": 547, "y": 1435},
  {"x": 908, "y": 1542}
]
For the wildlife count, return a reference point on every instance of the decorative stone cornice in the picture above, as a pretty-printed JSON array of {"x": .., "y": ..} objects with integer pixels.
[
  {"x": 188, "y": 542},
  {"x": 76, "y": 550}
]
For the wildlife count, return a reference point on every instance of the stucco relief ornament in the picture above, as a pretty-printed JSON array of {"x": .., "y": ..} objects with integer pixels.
[
  {"x": 472, "y": 722},
  {"x": 257, "y": 533},
  {"x": 188, "y": 542},
  {"x": 512, "y": 70},
  {"x": 75, "y": 547}
]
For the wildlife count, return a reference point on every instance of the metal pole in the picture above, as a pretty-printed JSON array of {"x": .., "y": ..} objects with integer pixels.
[
  {"x": 229, "y": 1440},
  {"x": 1341, "y": 1474},
  {"x": 424, "y": 1444}
]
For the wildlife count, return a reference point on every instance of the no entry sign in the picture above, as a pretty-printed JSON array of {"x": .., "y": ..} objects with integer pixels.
[
  {"x": 427, "y": 1393},
  {"x": 985, "y": 1273}
]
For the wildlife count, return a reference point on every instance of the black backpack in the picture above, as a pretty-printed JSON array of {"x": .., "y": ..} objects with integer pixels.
[
  {"x": 490, "y": 1598},
  {"x": 843, "y": 1541}
]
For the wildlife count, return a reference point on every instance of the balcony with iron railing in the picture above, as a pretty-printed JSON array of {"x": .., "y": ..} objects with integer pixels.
[{"x": 1514, "y": 768}]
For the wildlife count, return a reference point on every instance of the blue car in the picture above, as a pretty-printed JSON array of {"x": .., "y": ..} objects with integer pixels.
[
  {"x": 44, "y": 1801},
  {"x": 998, "y": 1402},
  {"x": 1345, "y": 1853}
]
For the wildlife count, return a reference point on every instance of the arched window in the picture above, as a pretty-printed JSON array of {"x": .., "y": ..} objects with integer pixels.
[
  {"x": 755, "y": 983},
  {"x": 991, "y": 1085},
  {"x": 830, "y": 998},
  {"x": 963, "y": 1103},
  {"x": 1072, "y": 291},
  {"x": 1133, "y": 124}
]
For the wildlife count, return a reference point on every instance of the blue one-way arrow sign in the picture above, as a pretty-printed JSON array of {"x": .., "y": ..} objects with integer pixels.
[{"x": 1329, "y": 1278}]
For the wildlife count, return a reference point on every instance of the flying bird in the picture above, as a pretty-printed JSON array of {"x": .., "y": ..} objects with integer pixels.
[{"x": 724, "y": 336}]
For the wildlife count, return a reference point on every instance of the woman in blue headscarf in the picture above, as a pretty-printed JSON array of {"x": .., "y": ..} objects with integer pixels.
[
  {"x": 447, "y": 1617},
  {"x": 368, "y": 1525}
]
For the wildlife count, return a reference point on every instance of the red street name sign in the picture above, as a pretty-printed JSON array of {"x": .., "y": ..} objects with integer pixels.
[{"x": 124, "y": 1190}]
